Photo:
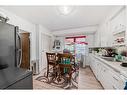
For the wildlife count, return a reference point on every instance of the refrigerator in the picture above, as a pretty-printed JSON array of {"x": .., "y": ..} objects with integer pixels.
[
  {"x": 81, "y": 51},
  {"x": 10, "y": 46},
  {"x": 11, "y": 75}
]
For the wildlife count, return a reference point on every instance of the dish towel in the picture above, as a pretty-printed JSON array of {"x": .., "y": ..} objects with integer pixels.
[{"x": 125, "y": 86}]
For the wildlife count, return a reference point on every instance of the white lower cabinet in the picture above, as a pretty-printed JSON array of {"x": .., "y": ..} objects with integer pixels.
[
  {"x": 116, "y": 80},
  {"x": 109, "y": 78}
]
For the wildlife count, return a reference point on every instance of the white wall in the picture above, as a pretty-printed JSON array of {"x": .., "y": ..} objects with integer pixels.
[{"x": 24, "y": 25}]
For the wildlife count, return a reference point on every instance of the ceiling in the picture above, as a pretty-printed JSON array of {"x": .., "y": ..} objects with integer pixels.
[{"x": 50, "y": 17}]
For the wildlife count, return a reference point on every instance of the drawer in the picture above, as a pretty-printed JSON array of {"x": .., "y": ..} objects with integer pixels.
[{"x": 117, "y": 81}]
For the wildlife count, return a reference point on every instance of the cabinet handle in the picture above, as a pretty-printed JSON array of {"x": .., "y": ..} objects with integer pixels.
[
  {"x": 123, "y": 78},
  {"x": 115, "y": 78}
]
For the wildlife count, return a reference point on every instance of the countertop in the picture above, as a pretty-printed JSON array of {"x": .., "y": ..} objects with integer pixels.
[
  {"x": 9, "y": 76},
  {"x": 114, "y": 65}
]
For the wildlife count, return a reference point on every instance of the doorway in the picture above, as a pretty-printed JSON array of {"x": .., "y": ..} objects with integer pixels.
[{"x": 44, "y": 46}]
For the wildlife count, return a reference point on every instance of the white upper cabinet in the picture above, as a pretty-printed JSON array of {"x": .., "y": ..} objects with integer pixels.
[
  {"x": 118, "y": 22},
  {"x": 97, "y": 39},
  {"x": 118, "y": 27},
  {"x": 109, "y": 35},
  {"x": 104, "y": 34},
  {"x": 113, "y": 25}
]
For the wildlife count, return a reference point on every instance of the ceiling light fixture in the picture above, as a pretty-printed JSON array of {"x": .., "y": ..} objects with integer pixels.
[{"x": 65, "y": 10}]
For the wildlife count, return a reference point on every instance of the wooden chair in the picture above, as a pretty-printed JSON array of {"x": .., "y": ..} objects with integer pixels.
[
  {"x": 65, "y": 64},
  {"x": 51, "y": 61}
]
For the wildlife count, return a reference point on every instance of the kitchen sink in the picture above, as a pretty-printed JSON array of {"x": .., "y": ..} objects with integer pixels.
[{"x": 108, "y": 58}]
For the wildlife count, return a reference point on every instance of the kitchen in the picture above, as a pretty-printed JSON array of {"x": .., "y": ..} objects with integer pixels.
[{"x": 103, "y": 29}]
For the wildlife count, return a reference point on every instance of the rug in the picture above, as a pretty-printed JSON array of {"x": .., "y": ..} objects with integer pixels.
[{"x": 60, "y": 82}]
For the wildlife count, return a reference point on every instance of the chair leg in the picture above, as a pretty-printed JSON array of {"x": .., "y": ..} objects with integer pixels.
[
  {"x": 70, "y": 75},
  {"x": 47, "y": 71}
]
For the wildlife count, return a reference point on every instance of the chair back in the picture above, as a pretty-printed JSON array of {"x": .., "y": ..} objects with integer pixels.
[
  {"x": 51, "y": 58},
  {"x": 65, "y": 62},
  {"x": 65, "y": 58}
]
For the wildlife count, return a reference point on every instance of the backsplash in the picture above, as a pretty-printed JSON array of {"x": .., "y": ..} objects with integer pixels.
[
  {"x": 121, "y": 50},
  {"x": 105, "y": 50}
]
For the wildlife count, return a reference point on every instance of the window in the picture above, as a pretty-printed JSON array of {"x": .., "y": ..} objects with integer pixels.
[{"x": 76, "y": 46}]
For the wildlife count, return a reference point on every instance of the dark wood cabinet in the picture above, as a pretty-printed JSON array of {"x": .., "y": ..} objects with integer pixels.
[{"x": 25, "y": 39}]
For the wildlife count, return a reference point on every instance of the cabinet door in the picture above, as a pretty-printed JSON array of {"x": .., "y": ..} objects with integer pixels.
[
  {"x": 117, "y": 80},
  {"x": 111, "y": 36},
  {"x": 97, "y": 39},
  {"x": 105, "y": 78},
  {"x": 104, "y": 35},
  {"x": 100, "y": 71},
  {"x": 97, "y": 68},
  {"x": 114, "y": 24},
  {"x": 121, "y": 19},
  {"x": 92, "y": 65},
  {"x": 118, "y": 22}
]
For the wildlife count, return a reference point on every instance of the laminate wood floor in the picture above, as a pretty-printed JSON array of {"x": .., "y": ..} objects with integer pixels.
[{"x": 87, "y": 81}]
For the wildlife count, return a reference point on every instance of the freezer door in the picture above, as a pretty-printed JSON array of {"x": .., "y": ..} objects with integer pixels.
[{"x": 7, "y": 44}]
